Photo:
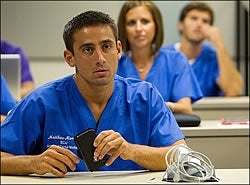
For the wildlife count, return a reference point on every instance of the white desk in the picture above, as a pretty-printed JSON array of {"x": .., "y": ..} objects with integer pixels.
[
  {"x": 210, "y": 108},
  {"x": 226, "y": 145},
  {"x": 226, "y": 176}
]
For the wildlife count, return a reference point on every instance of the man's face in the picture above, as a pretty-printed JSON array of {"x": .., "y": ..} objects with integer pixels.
[
  {"x": 96, "y": 55},
  {"x": 194, "y": 25}
]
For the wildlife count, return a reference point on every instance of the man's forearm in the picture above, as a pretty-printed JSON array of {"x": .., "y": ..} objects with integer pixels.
[
  {"x": 230, "y": 80},
  {"x": 15, "y": 165},
  {"x": 151, "y": 158}
]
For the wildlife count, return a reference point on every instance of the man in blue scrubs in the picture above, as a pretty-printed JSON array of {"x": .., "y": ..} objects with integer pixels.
[
  {"x": 211, "y": 62},
  {"x": 132, "y": 123}
]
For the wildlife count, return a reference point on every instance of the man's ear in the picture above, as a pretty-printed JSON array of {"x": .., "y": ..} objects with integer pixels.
[
  {"x": 180, "y": 27},
  {"x": 119, "y": 49},
  {"x": 68, "y": 56}
]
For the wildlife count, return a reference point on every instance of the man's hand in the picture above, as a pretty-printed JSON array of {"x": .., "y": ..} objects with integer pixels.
[
  {"x": 112, "y": 143},
  {"x": 213, "y": 35},
  {"x": 54, "y": 160}
]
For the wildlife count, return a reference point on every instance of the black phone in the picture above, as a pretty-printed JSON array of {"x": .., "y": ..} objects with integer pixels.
[{"x": 84, "y": 142}]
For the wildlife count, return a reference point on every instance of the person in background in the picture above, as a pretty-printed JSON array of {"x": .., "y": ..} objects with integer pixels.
[
  {"x": 211, "y": 62},
  {"x": 27, "y": 82},
  {"x": 134, "y": 127},
  {"x": 140, "y": 28},
  {"x": 7, "y": 100}
]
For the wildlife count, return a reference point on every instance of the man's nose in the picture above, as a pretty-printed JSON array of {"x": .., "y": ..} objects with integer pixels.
[
  {"x": 100, "y": 55},
  {"x": 200, "y": 23}
]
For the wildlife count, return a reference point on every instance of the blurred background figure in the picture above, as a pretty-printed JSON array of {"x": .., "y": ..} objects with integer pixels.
[
  {"x": 211, "y": 62},
  {"x": 141, "y": 33},
  {"x": 7, "y": 100},
  {"x": 27, "y": 82}
]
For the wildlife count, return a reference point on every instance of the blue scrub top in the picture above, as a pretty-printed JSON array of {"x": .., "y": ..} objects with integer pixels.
[
  {"x": 55, "y": 112},
  {"x": 170, "y": 73},
  {"x": 206, "y": 70}
]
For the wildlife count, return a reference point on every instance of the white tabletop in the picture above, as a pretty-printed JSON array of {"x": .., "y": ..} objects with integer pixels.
[
  {"x": 215, "y": 128},
  {"x": 222, "y": 102},
  {"x": 226, "y": 176},
  {"x": 209, "y": 108}
]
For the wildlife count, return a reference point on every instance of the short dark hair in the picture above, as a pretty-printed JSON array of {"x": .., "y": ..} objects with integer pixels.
[
  {"x": 85, "y": 19},
  {"x": 156, "y": 14},
  {"x": 195, "y": 5}
]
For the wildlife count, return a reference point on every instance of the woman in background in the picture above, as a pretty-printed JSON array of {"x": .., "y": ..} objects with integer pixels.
[{"x": 141, "y": 33}]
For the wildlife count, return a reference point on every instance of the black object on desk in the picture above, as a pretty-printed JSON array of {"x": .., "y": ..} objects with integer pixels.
[
  {"x": 187, "y": 120},
  {"x": 84, "y": 142}
]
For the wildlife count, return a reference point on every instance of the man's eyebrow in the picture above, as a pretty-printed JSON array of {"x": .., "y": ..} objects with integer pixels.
[
  {"x": 85, "y": 45},
  {"x": 107, "y": 41},
  {"x": 91, "y": 44}
]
